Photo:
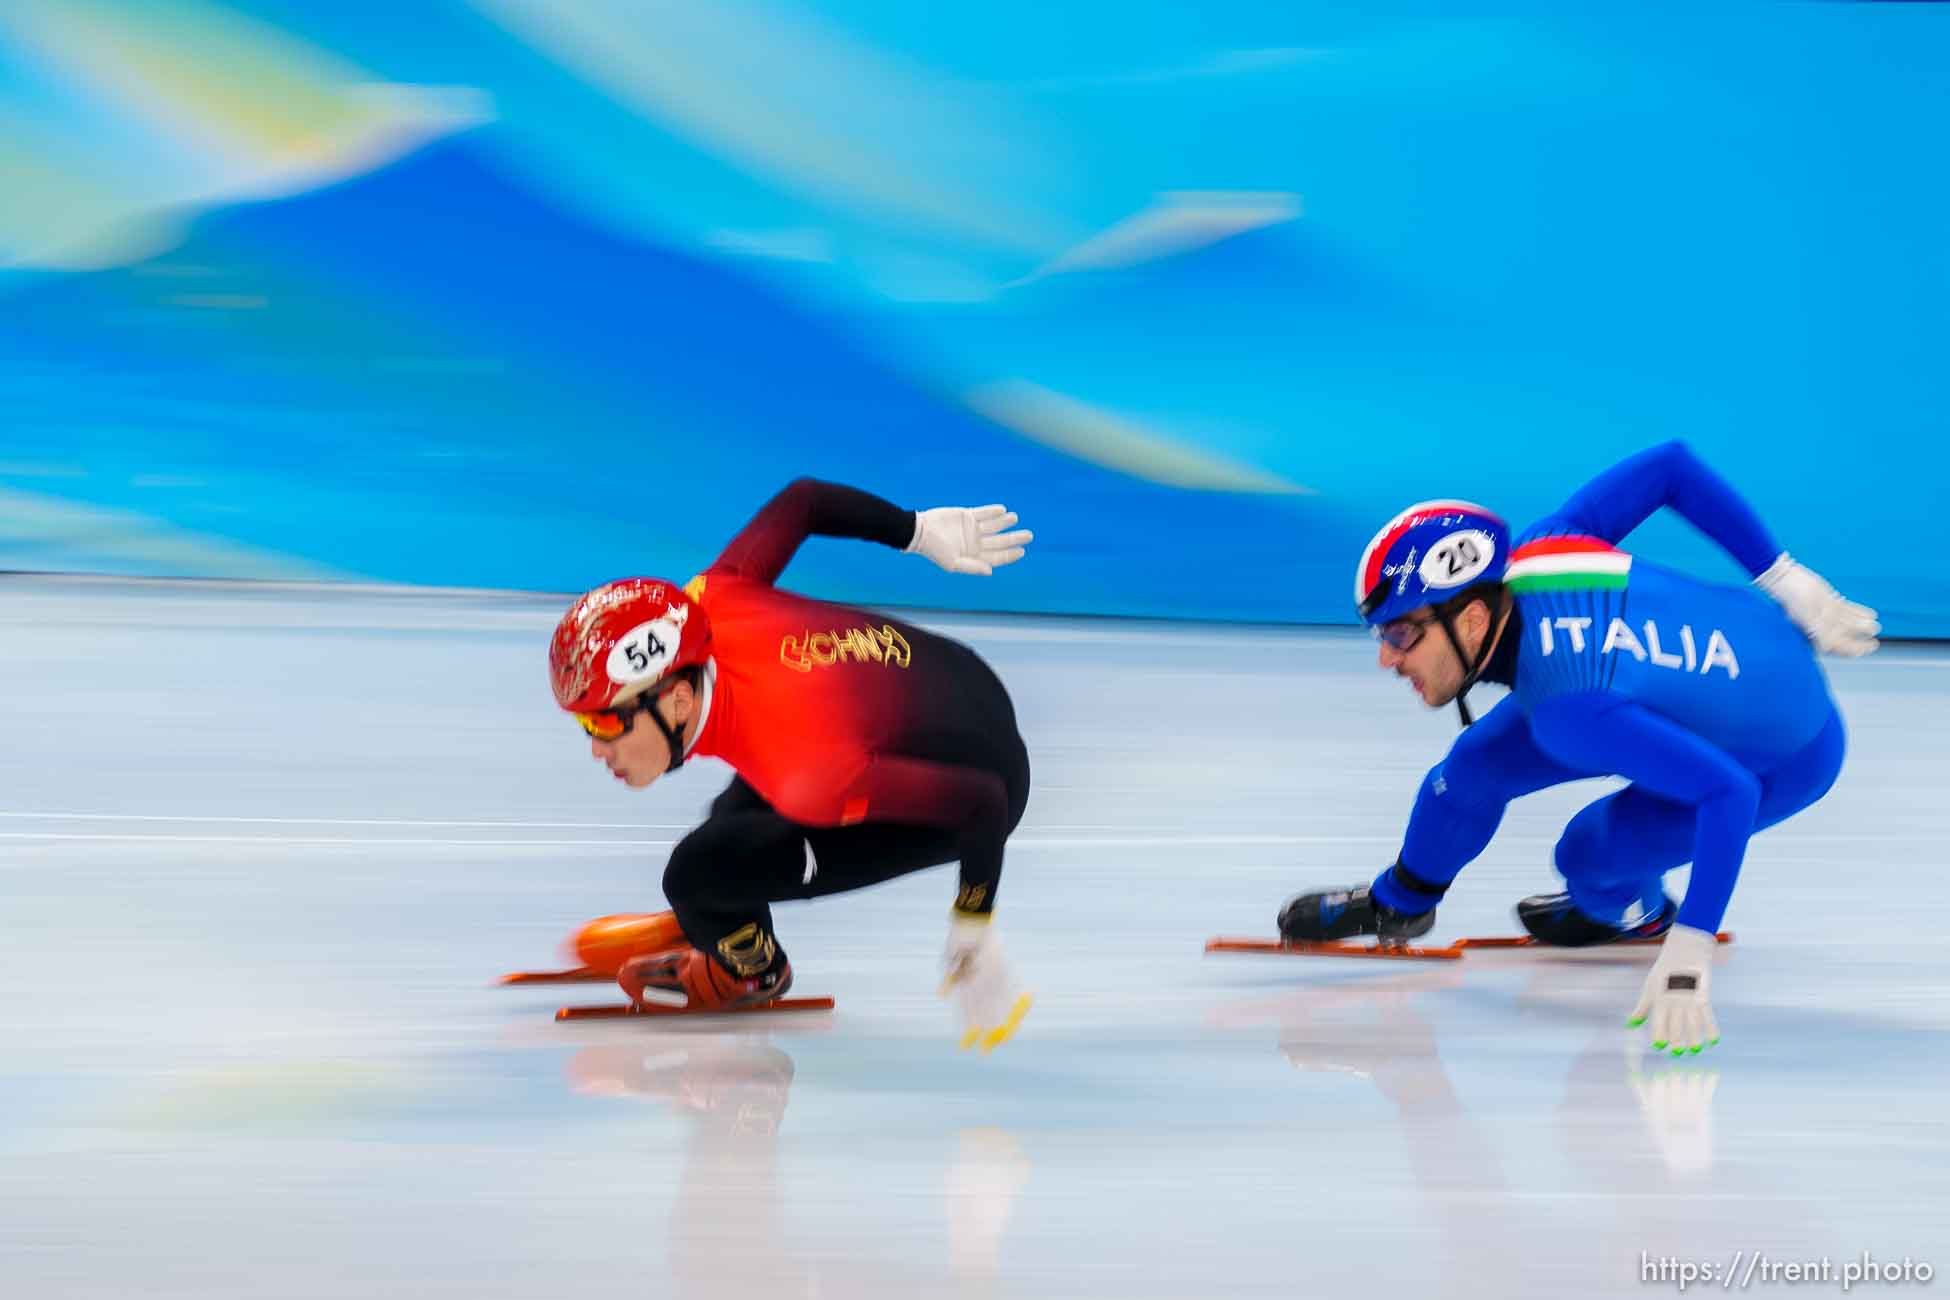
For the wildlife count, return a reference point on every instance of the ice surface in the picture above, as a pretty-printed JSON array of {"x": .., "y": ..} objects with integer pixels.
[{"x": 263, "y": 850}]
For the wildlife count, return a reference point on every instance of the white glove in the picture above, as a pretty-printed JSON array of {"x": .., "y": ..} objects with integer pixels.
[
  {"x": 968, "y": 539},
  {"x": 1836, "y": 626},
  {"x": 977, "y": 976},
  {"x": 1675, "y": 993}
]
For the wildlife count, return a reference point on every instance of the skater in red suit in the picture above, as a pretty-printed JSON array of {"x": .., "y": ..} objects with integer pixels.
[{"x": 864, "y": 747}]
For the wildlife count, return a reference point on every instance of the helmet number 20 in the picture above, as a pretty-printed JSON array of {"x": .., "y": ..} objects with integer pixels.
[
  {"x": 1461, "y": 556},
  {"x": 1458, "y": 558}
]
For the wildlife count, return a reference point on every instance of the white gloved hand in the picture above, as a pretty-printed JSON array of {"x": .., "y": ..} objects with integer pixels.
[
  {"x": 1674, "y": 995},
  {"x": 1835, "y": 625},
  {"x": 977, "y": 976},
  {"x": 968, "y": 539}
]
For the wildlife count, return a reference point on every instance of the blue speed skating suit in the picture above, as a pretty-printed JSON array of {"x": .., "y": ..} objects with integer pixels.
[{"x": 1705, "y": 697}]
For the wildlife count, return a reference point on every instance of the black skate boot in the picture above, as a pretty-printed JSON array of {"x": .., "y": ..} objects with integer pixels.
[
  {"x": 1553, "y": 919},
  {"x": 1343, "y": 913}
]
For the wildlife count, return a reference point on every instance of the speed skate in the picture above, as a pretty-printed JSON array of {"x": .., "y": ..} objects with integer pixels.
[
  {"x": 603, "y": 947},
  {"x": 1404, "y": 952}
]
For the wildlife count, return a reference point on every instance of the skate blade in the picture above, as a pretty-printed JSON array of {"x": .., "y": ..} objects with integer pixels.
[
  {"x": 653, "y": 1009},
  {"x": 1288, "y": 948},
  {"x": 580, "y": 975},
  {"x": 1530, "y": 941}
]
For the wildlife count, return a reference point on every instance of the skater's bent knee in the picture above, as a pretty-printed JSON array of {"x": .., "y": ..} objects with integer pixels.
[{"x": 688, "y": 871}]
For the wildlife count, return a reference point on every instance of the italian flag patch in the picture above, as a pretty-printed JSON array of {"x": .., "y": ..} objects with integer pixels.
[{"x": 1570, "y": 563}]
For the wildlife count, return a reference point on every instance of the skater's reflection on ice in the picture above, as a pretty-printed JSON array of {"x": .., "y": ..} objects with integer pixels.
[{"x": 739, "y": 1218}]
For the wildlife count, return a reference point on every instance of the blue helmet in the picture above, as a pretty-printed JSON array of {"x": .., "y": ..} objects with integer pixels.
[{"x": 1425, "y": 555}]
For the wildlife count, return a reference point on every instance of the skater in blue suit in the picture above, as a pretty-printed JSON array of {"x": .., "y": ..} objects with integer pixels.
[{"x": 1708, "y": 699}]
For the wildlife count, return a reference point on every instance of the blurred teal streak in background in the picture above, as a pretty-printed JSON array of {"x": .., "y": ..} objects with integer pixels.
[{"x": 523, "y": 294}]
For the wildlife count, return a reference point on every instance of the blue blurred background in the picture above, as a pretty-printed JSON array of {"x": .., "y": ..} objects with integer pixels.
[{"x": 524, "y": 293}]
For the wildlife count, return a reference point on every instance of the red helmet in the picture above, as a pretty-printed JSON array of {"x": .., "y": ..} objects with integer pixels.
[{"x": 622, "y": 639}]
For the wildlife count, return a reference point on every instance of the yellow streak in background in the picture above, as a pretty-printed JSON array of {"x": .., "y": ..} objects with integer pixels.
[
  {"x": 263, "y": 90},
  {"x": 791, "y": 97},
  {"x": 1176, "y": 222},
  {"x": 236, "y": 108},
  {"x": 1078, "y": 429}
]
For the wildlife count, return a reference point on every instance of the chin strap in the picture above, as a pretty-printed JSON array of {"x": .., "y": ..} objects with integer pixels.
[
  {"x": 1472, "y": 669},
  {"x": 673, "y": 736}
]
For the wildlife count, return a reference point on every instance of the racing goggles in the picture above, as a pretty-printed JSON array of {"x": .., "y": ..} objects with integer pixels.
[
  {"x": 1404, "y": 634},
  {"x": 613, "y": 724}
]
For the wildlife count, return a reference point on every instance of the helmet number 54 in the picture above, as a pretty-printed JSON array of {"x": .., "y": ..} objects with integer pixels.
[
  {"x": 645, "y": 651},
  {"x": 642, "y": 653}
]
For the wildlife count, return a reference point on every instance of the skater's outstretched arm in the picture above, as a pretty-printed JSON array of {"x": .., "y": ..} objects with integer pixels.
[
  {"x": 806, "y": 507},
  {"x": 1611, "y": 733},
  {"x": 1632, "y": 491},
  {"x": 1627, "y": 494},
  {"x": 959, "y": 539}
]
